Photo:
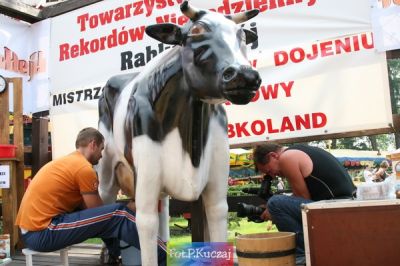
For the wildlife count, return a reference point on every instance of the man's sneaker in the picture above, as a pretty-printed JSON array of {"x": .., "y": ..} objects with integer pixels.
[{"x": 300, "y": 261}]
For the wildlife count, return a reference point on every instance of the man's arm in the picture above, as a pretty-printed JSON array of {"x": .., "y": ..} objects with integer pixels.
[
  {"x": 91, "y": 200},
  {"x": 295, "y": 165}
]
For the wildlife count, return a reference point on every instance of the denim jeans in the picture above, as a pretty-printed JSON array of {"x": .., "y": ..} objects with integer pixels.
[
  {"x": 112, "y": 223},
  {"x": 285, "y": 213}
]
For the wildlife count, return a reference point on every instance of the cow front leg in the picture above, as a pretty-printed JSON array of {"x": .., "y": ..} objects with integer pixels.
[
  {"x": 216, "y": 208},
  {"x": 147, "y": 222},
  {"x": 163, "y": 228}
]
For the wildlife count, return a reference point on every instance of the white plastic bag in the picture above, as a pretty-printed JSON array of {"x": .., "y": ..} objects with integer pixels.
[{"x": 377, "y": 190}]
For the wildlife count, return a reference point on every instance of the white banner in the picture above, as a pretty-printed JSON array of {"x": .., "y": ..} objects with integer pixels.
[
  {"x": 24, "y": 52},
  {"x": 320, "y": 72},
  {"x": 4, "y": 176},
  {"x": 386, "y": 24}
]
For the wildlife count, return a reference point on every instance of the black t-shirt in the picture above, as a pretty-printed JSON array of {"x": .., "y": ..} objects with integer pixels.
[{"x": 328, "y": 179}]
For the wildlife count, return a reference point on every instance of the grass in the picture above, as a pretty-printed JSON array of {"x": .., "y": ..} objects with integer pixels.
[{"x": 235, "y": 227}]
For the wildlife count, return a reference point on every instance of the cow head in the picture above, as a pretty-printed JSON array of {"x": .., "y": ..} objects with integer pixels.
[{"x": 214, "y": 60}]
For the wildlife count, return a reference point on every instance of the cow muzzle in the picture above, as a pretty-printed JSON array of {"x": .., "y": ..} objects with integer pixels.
[{"x": 240, "y": 84}]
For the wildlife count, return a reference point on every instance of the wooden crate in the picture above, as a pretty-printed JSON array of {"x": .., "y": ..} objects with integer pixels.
[{"x": 351, "y": 232}]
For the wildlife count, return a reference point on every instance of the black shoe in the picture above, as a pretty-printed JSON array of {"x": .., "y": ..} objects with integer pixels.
[{"x": 109, "y": 259}]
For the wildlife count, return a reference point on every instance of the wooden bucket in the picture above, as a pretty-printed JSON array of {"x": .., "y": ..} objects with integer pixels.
[{"x": 266, "y": 249}]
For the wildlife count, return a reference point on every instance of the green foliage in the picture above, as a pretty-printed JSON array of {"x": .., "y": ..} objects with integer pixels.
[
  {"x": 236, "y": 226},
  {"x": 239, "y": 226},
  {"x": 233, "y": 220},
  {"x": 394, "y": 83},
  {"x": 237, "y": 190}
]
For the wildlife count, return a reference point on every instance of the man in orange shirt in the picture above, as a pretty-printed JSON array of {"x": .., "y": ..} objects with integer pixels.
[{"x": 48, "y": 216}]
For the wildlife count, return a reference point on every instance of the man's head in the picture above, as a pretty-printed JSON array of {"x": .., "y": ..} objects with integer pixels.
[
  {"x": 384, "y": 164},
  {"x": 266, "y": 158},
  {"x": 90, "y": 142}
]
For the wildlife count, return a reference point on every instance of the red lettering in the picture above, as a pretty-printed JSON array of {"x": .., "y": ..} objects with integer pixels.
[
  {"x": 81, "y": 20},
  {"x": 106, "y": 17},
  {"x": 261, "y": 5},
  {"x": 343, "y": 45},
  {"x": 237, "y": 7},
  {"x": 318, "y": 120},
  {"x": 326, "y": 49},
  {"x": 364, "y": 41},
  {"x": 281, "y": 58},
  {"x": 286, "y": 124},
  {"x": 241, "y": 129},
  {"x": 64, "y": 52},
  {"x": 84, "y": 47},
  {"x": 258, "y": 127},
  {"x": 137, "y": 33},
  {"x": 271, "y": 92},
  {"x": 138, "y": 8},
  {"x": 224, "y": 9},
  {"x": 231, "y": 131},
  {"x": 74, "y": 51},
  {"x": 302, "y": 122},
  {"x": 270, "y": 128},
  {"x": 93, "y": 22},
  {"x": 356, "y": 44},
  {"x": 287, "y": 88},
  {"x": 297, "y": 55}
]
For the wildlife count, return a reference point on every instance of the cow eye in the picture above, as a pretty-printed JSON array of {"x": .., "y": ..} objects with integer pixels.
[{"x": 198, "y": 29}]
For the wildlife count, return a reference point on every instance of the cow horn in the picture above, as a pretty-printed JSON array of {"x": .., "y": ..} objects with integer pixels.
[
  {"x": 189, "y": 11},
  {"x": 245, "y": 16}
]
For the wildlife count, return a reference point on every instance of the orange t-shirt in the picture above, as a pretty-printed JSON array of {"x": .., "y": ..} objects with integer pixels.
[{"x": 56, "y": 189}]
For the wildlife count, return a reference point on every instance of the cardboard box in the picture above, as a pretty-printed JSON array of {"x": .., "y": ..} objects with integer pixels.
[
  {"x": 4, "y": 247},
  {"x": 351, "y": 232}
]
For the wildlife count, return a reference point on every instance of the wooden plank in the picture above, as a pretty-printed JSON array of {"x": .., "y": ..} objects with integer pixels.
[
  {"x": 65, "y": 7},
  {"x": 394, "y": 54},
  {"x": 9, "y": 206},
  {"x": 19, "y": 142},
  {"x": 39, "y": 143},
  {"x": 4, "y": 117},
  {"x": 19, "y": 10},
  {"x": 178, "y": 207},
  {"x": 198, "y": 220},
  {"x": 322, "y": 137}
]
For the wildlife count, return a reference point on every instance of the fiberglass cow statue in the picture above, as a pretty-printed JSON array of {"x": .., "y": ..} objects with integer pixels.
[{"x": 165, "y": 128}]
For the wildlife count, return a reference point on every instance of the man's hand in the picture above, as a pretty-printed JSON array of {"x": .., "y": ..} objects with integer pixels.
[
  {"x": 265, "y": 215},
  {"x": 91, "y": 200},
  {"x": 131, "y": 205}
]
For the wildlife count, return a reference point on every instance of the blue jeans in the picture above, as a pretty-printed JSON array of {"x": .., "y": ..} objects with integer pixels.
[
  {"x": 112, "y": 223},
  {"x": 285, "y": 213}
]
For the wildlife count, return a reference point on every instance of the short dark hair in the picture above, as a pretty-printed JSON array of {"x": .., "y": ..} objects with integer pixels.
[
  {"x": 260, "y": 152},
  {"x": 86, "y": 135},
  {"x": 384, "y": 164}
]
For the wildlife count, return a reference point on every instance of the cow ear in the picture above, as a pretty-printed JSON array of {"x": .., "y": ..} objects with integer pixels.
[
  {"x": 250, "y": 36},
  {"x": 166, "y": 33}
]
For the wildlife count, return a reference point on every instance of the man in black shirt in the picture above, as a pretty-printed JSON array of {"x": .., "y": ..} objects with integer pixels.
[{"x": 313, "y": 174}]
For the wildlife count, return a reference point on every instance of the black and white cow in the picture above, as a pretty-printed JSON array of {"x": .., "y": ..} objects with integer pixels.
[{"x": 165, "y": 128}]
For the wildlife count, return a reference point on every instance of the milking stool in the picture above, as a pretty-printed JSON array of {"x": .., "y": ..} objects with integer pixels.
[{"x": 29, "y": 252}]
